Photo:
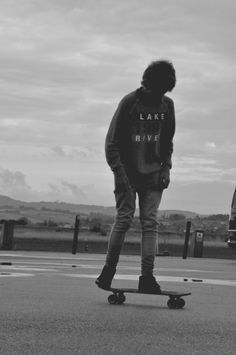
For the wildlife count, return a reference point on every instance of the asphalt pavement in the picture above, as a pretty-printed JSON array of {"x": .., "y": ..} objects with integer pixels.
[{"x": 49, "y": 304}]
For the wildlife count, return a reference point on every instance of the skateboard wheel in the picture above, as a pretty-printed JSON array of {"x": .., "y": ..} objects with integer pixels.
[
  {"x": 121, "y": 299},
  {"x": 180, "y": 303},
  {"x": 171, "y": 303},
  {"x": 176, "y": 303},
  {"x": 112, "y": 299}
]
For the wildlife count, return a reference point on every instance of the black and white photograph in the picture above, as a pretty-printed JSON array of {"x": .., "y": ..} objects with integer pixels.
[{"x": 117, "y": 177}]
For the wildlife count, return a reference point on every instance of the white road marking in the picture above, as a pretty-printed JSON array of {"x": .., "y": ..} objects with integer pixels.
[
  {"x": 24, "y": 268},
  {"x": 16, "y": 274},
  {"x": 122, "y": 267},
  {"x": 162, "y": 278},
  {"x": 86, "y": 266},
  {"x": 13, "y": 255},
  {"x": 51, "y": 257}
]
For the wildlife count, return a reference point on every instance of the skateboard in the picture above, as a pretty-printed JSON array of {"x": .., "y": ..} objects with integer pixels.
[{"x": 175, "y": 300}]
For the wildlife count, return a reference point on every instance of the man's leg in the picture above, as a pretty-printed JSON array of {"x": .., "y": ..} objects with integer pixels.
[
  {"x": 125, "y": 206},
  {"x": 149, "y": 201}
]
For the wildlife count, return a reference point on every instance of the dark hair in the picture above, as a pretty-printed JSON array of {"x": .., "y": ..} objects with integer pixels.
[{"x": 160, "y": 74}]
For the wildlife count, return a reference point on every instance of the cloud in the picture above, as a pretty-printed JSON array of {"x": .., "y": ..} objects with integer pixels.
[
  {"x": 13, "y": 179},
  {"x": 210, "y": 145},
  {"x": 58, "y": 151},
  {"x": 198, "y": 169},
  {"x": 206, "y": 197},
  {"x": 65, "y": 65},
  {"x": 13, "y": 182},
  {"x": 76, "y": 191},
  {"x": 67, "y": 191},
  {"x": 79, "y": 154}
]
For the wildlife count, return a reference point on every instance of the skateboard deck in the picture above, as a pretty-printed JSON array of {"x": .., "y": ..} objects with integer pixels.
[{"x": 175, "y": 298}]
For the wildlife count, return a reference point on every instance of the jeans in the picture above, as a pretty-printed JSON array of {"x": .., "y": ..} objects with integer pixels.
[{"x": 149, "y": 200}]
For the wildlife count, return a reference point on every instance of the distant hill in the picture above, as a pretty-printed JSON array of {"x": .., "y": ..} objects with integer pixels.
[
  {"x": 6, "y": 201},
  {"x": 9, "y": 203},
  {"x": 187, "y": 214}
]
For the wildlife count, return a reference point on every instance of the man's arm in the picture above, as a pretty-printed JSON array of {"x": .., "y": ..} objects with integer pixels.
[
  {"x": 167, "y": 149},
  {"x": 113, "y": 142},
  {"x": 168, "y": 139}
]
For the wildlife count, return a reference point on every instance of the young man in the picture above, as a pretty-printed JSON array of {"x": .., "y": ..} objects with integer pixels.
[{"x": 139, "y": 145}]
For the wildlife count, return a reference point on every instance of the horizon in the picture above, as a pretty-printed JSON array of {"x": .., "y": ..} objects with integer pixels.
[
  {"x": 65, "y": 65},
  {"x": 109, "y": 206}
]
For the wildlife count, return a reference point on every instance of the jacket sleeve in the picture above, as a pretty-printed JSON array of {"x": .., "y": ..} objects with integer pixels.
[
  {"x": 168, "y": 138},
  {"x": 114, "y": 137}
]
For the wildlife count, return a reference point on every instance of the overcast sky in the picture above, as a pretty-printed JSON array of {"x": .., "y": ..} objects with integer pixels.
[{"x": 65, "y": 65}]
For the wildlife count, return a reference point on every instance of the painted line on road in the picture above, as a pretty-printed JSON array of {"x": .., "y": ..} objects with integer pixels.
[
  {"x": 16, "y": 274},
  {"x": 51, "y": 257},
  {"x": 121, "y": 267},
  {"x": 162, "y": 278},
  {"x": 25, "y": 268}
]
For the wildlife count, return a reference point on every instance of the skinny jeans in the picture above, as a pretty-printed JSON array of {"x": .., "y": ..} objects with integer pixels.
[{"x": 149, "y": 201}]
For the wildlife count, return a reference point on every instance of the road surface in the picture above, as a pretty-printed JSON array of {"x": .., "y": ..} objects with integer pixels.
[{"x": 50, "y": 305}]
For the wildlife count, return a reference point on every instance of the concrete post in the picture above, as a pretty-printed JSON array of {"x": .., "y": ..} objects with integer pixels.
[
  {"x": 76, "y": 232},
  {"x": 7, "y": 235},
  {"x": 186, "y": 240},
  {"x": 196, "y": 245}
]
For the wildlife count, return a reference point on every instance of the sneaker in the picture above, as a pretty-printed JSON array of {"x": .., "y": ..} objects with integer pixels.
[
  {"x": 148, "y": 284},
  {"x": 105, "y": 279}
]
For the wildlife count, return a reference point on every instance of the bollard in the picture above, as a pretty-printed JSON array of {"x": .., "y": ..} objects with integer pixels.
[
  {"x": 76, "y": 233},
  {"x": 7, "y": 235},
  {"x": 198, "y": 244},
  {"x": 186, "y": 241}
]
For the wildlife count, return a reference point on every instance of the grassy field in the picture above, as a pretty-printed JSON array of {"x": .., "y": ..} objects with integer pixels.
[
  {"x": 38, "y": 216},
  {"x": 133, "y": 235},
  {"x": 49, "y": 239}
]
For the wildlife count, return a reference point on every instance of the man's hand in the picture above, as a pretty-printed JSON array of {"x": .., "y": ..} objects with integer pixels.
[
  {"x": 121, "y": 180},
  {"x": 164, "y": 179}
]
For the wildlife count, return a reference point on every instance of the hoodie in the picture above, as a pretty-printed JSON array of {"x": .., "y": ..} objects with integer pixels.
[{"x": 140, "y": 137}]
